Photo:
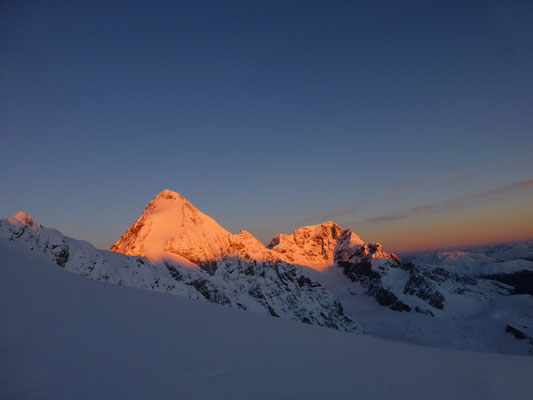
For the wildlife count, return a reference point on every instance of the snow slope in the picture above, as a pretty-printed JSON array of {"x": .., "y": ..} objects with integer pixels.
[
  {"x": 481, "y": 326},
  {"x": 66, "y": 337}
]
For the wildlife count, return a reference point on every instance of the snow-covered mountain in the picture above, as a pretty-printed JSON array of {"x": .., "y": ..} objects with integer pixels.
[
  {"x": 390, "y": 297},
  {"x": 172, "y": 229},
  {"x": 269, "y": 287},
  {"x": 429, "y": 304},
  {"x": 312, "y": 246},
  {"x": 422, "y": 304},
  {"x": 66, "y": 337},
  {"x": 406, "y": 287},
  {"x": 397, "y": 285},
  {"x": 82, "y": 258},
  {"x": 322, "y": 275},
  {"x": 499, "y": 259},
  {"x": 509, "y": 264}
]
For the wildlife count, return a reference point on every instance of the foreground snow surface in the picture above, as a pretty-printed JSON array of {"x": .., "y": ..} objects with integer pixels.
[{"x": 66, "y": 337}]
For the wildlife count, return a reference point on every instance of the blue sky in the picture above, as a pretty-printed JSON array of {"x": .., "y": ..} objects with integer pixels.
[{"x": 270, "y": 116}]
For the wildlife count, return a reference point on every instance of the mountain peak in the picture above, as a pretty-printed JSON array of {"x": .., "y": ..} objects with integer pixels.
[
  {"x": 24, "y": 218},
  {"x": 167, "y": 200},
  {"x": 310, "y": 245},
  {"x": 172, "y": 228},
  {"x": 324, "y": 225},
  {"x": 329, "y": 223},
  {"x": 168, "y": 194}
]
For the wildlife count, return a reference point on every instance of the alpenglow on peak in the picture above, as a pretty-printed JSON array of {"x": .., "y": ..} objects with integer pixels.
[{"x": 171, "y": 228}]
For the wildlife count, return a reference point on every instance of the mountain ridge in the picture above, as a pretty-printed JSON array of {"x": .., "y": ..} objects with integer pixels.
[
  {"x": 318, "y": 274},
  {"x": 171, "y": 228}
]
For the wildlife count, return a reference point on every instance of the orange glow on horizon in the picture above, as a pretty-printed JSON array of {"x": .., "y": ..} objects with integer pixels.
[{"x": 456, "y": 229}]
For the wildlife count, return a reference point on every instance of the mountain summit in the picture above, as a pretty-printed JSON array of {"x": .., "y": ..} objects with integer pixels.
[
  {"x": 25, "y": 219},
  {"x": 171, "y": 227}
]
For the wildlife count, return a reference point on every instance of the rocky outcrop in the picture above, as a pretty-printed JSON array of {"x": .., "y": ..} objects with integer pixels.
[
  {"x": 402, "y": 286},
  {"x": 312, "y": 246},
  {"x": 276, "y": 288}
]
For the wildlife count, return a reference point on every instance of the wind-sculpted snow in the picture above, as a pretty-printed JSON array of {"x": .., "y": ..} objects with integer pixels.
[{"x": 273, "y": 288}]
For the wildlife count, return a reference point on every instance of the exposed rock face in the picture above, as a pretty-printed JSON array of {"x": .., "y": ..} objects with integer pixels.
[
  {"x": 348, "y": 252},
  {"x": 402, "y": 286},
  {"x": 312, "y": 246},
  {"x": 357, "y": 264},
  {"x": 277, "y": 288}
]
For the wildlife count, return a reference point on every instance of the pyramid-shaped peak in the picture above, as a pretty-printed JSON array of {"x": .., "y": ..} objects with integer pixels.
[
  {"x": 168, "y": 199},
  {"x": 169, "y": 195},
  {"x": 170, "y": 227},
  {"x": 25, "y": 218}
]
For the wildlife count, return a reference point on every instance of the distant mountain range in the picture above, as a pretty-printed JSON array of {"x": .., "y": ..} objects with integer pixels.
[{"x": 322, "y": 275}]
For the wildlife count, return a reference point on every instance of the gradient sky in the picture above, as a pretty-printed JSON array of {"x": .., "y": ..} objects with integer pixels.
[{"x": 409, "y": 122}]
